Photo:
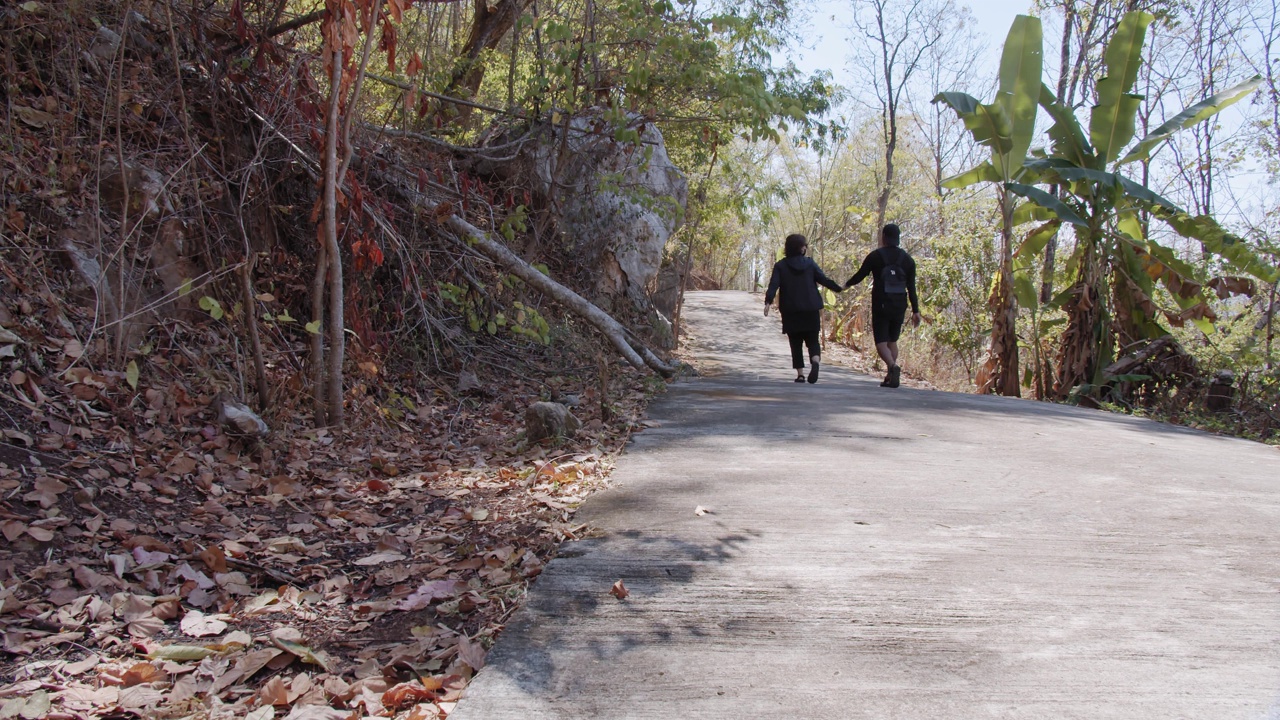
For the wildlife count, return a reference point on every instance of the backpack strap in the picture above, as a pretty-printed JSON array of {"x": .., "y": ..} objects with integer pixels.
[{"x": 885, "y": 258}]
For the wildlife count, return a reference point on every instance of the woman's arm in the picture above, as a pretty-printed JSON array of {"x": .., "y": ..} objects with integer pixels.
[
  {"x": 774, "y": 281},
  {"x": 825, "y": 281}
]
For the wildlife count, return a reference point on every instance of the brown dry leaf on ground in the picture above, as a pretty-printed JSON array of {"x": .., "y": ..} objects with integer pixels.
[{"x": 619, "y": 590}]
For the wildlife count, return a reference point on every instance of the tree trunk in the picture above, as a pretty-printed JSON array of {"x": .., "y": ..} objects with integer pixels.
[
  {"x": 316, "y": 329},
  {"x": 1064, "y": 66},
  {"x": 999, "y": 374},
  {"x": 1271, "y": 320},
  {"x": 255, "y": 338},
  {"x": 882, "y": 203},
  {"x": 488, "y": 27},
  {"x": 1078, "y": 356},
  {"x": 332, "y": 251}
]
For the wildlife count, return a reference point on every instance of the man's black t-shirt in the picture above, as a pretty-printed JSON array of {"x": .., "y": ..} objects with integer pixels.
[{"x": 875, "y": 262}]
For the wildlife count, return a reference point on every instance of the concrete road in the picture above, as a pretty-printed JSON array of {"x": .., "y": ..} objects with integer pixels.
[{"x": 876, "y": 553}]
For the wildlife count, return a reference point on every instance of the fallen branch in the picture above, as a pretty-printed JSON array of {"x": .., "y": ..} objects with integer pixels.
[{"x": 632, "y": 349}]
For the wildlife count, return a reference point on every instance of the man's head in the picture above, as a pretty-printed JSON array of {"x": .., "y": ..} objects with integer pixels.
[
  {"x": 795, "y": 245},
  {"x": 890, "y": 236}
]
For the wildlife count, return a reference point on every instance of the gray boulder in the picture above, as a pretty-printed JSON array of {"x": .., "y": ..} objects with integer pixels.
[
  {"x": 619, "y": 201},
  {"x": 549, "y": 420}
]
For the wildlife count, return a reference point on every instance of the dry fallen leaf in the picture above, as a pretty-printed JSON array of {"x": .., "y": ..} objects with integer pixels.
[
  {"x": 32, "y": 708},
  {"x": 471, "y": 652},
  {"x": 141, "y": 673},
  {"x": 146, "y": 627},
  {"x": 619, "y": 590},
  {"x": 267, "y": 712},
  {"x": 214, "y": 558},
  {"x": 274, "y": 692},
  {"x": 13, "y": 530},
  {"x": 700, "y": 511},
  {"x": 180, "y": 653},
  {"x": 424, "y": 711},
  {"x": 380, "y": 558},
  {"x": 304, "y": 653},
  {"x": 431, "y": 591},
  {"x": 406, "y": 694},
  {"x": 40, "y": 534},
  {"x": 34, "y": 118},
  {"x": 197, "y": 624},
  {"x": 167, "y": 610},
  {"x": 81, "y": 667}
]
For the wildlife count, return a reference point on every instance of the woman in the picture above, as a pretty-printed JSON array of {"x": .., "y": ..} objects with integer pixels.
[{"x": 795, "y": 280}]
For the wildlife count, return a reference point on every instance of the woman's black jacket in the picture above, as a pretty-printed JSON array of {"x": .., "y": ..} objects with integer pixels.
[{"x": 795, "y": 280}]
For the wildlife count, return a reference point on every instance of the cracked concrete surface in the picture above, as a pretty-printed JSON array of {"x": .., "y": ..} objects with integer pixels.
[{"x": 877, "y": 553}]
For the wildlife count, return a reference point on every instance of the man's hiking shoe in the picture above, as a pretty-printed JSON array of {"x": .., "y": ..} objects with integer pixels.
[
  {"x": 813, "y": 373},
  {"x": 895, "y": 377}
]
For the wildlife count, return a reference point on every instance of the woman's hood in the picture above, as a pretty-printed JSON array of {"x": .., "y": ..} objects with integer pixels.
[{"x": 797, "y": 263}]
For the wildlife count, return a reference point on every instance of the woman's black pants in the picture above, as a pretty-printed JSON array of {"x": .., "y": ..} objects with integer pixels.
[{"x": 798, "y": 341}]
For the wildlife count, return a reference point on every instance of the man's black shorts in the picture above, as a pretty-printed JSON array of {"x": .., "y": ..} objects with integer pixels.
[{"x": 886, "y": 319}]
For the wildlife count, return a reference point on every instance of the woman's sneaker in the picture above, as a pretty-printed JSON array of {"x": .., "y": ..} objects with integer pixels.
[
  {"x": 894, "y": 378},
  {"x": 813, "y": 373}
]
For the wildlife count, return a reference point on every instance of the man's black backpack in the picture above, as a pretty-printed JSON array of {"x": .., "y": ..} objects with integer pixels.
[{"x": 893, "y": 278}]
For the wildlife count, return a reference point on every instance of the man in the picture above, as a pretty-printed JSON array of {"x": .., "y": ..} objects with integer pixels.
[{"x": 893, "y": 273}]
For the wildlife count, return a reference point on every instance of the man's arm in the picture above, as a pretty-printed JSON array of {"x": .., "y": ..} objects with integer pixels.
[
  {"x": 862, "y": 273},
  {"x": 911, "y": 290},
  {"x": 910, "y": 285}
]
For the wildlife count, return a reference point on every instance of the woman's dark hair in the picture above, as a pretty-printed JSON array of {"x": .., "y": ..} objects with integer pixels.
[
  {"x": 795, "y": 245},
  {"x": 892, "y": 235}
]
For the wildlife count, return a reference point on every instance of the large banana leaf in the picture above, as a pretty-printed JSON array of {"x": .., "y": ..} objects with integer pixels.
[
  {"x": 1030, "y": 212},
  {"x": 1061, "y": 171},
  {"x": 1024, "y": 289},
  {"x": 1193, "y": 115},
  {"x": 1035, "y": 241},
  {"x": 990, "y": 124},
  {"x": 1135, "y": 286},
  {"x": 1147, "y": 196},
  {"x": 1130, "y": 227},
  {"x": 1058, "y": 169},
  {"x": 1068, "y": 137},
  {"x": 985, "y": 172},
  {"x": 1048, "y": 202},
  {"x": 1218, "y": 241},
  {"x": 1111, "y": 125},
  {"x": 1020, "y": 67}
]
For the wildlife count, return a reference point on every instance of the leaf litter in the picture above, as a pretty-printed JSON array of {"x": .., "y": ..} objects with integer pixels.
[
  {"x": 155, "y": 566},
  {"x": 177, "y": 573}
]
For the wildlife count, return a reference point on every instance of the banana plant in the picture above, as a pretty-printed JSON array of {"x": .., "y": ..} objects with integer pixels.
[
  {"x": 1006, "y": 126},
  {"x": 1117, "y": 263}
]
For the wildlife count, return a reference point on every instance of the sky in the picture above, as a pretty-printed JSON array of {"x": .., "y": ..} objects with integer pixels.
[{"x": 830, "y": 51}]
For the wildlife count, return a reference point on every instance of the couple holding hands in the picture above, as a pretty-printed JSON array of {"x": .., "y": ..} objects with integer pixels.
[{"x": 795, "y": 281}]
